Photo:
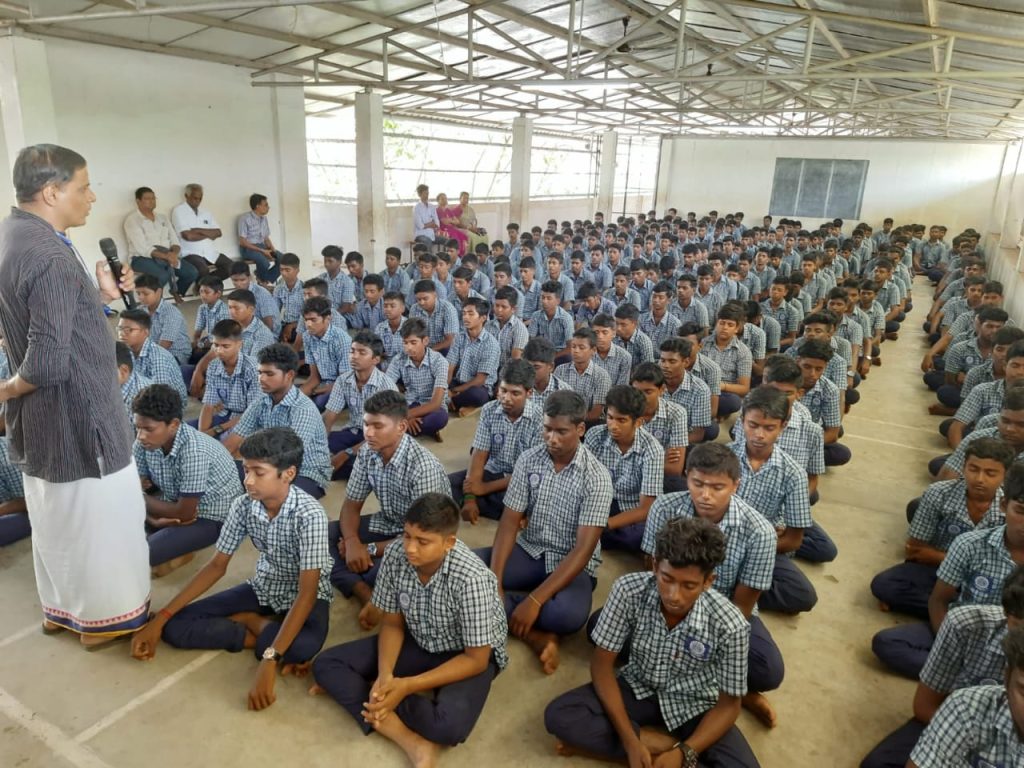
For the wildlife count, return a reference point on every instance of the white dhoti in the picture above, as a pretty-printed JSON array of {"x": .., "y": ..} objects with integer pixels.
[{"x": 90, "y": 551}]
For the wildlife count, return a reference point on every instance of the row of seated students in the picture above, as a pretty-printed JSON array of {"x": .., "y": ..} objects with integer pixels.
[{"x": 569, "y": 458}]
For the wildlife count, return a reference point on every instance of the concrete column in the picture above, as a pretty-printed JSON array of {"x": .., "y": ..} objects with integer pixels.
[
  {"x": 519, "y": 196},
  {"x": 290, "y": 223},
  {"x": 371, "y": 213},
  {"x": 606, "y": 174},
  {"x": 663, "y": 191}
]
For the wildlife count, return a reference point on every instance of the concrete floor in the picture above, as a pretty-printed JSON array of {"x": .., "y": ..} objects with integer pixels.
[{"x": 60, "y": 706}]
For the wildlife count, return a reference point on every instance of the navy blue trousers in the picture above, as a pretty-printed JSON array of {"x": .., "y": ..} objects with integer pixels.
[
  {"x": 728, "y": 404},
  {"x": 836, "y": 455},
  {"x": 339, "y": 440},
  {"x": 791, "y": 591},
  {"x": 627, "y": 537},
  {"x": 906, "y": 587},
  {"x": 894, "y": 750},
  {"x": 341, "y": 577},
  {"x": 491, "y": 504},
  {"x": 474, "y": 397},
  {"x": 904, "y": 649},
  {"x": 14, "y": 527},
  {"x": 817, "y": 546},
  {"x": 168, "y": 543}
]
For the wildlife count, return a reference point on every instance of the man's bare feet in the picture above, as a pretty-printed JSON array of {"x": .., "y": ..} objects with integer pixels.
[
  {"x": 253, "y": 622},
  {"x": 315, "y": 689},
  {"x": 759, "y": 706},
  {"x": 158, "y": 571},
  {"x": 297, "y": 670},
  {"x": 421, "y": 753},
  {"x": 938, "y": 409},
  {"x": 369, "y": 616},
  {"x": 545, "y": 645}
]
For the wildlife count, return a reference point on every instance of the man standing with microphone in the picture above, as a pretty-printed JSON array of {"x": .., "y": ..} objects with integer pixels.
[{"x": 66, "y": 422}]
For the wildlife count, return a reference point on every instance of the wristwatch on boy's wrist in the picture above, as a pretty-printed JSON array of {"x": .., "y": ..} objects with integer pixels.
[
  {"x": 271, "y": 655},
  {"x": 689, "y": 755},
  {"x": 371, "y": 549}
]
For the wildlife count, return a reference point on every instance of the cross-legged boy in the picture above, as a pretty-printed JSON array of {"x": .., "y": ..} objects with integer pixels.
[
  {"x": 733, "y": 357},
  {"x": 150, "y": 360},
  {"x": 585, "y": 377},
  {"x": 327, "y": 350},
  {"x": 508, "y": 427},
  {"x": 189, "y": 478},
  {"x": 552, "y": 321},
  {"x": 232, "y": 381},
  {"x": 629, "y": 336},
  {"x": 281, "y": 613},
  {"x": 615, "y": 360},
  {"x": 266, "y": 308},
  {"x": 288, "y": 294},
  {"x": 443, "y": 633},
  {"x": 506, "y": 326},
  {"x": 473, "y": 359},
  {"x": 14, "y": 525},
  {"x": 130, "y": 380},
  {"x": 540, "y": 354},
  {"x": 822, "y": 398},
  {"x": 211, "y": 311},
  {"x": 422, "y": 374},
  {"x": 546, "y": 571},
  {"x": 398, "y": 470},
  {"x": 675, "y": 357},
  {"x": 439, "y": 316},
  {"x": 677, "y": 697},
  {"x": 664, "y": 420},
  {"x": 168, "y": 328}
]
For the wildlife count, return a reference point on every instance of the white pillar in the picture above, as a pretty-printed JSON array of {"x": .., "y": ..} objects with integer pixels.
[
  {"x": 663, "y": 190},
  {"x": 372, "y": 214},
  {"x": 606, "y": 174},
  {"x": 288, "y": 111},
  {"x": 519, "y": 197}
]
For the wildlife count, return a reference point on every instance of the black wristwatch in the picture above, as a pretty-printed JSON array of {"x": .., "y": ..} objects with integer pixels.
[{"x": 689, "y": 755}]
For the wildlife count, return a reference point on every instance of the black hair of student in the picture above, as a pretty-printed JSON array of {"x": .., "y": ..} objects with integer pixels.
[
  {"x": 566, "y": 403},
  {"x": 753, "y": 310},
  {"x": 387, "y": 402},
  {"x": 241, "y": 295},
  {"x": 602, "y": 320},
  {"x": 317, "y": 305},
  {"x": 823, "y": 317},
  {"x": 780, "y": 280},
  {"x": 353, "y": 257},
  {"x": 621, "y": 272},
  {"x": 288, "y": 260},
  {"x": 649, "y": 373},
  {"x": 41, "y": 165},
  {"x": 281, "y": 356},
  {"x": 587, "y": 291},
  {"x": 227, "y": 329},
  {"x": 663, "y": 286},
  {"x": 240, "y": 268},
  {"x": 838, "y": 293},
  {"x": 147, "y": 282},
  {"x": 713, "y": 459},
  {"x": 678, "y": 345},
  {"x": 734, "y": 312},
  {"x": 1013, "y": 485},
  {"x": 469, "y": 258},
  {"x": 991, "y": 448},
  {"x": 869, "y": 285},
  {"x": 819, "y": 349},
  {"x": 434, "y": 513},
  {"x": 553, "y": 287},
  {"x": 796, "y": 280},
  {"x": 627, "y": 311},
  {"x": 481, "y": 249},
  {"x": 690, "y": 541},
  {"x": 462, "y": 273},
  {"x": 374, "y": 279},
  {"x": 1016, "y": 349},
  {"x": 885, "y": 264},
  {"x": 770, "y": 401},
  {"x": 424, "y": 286},
  {"x": 972, "y": 280},
  {"x": 414, "y": 328},
  {"x": 586, "y": 333},
  {"x": 688, "y": 279},
  {"x": 212, "y": 282},
  {"x": 159, "y": 402},
  {"x": 1013, "y": 400},
  {"x": 332, "y": 252},
  {"x": 371, "y": 341},
  {"x": 139, "y": 316},
  {"x": 992, "y": 286},
  {"x": 426, "y": 257},
  {"x": 539, "y": 350},
  {"x": 504, "y": 267},
  {"x": 509, "y": 294},
  {"x": 704, "y": 270},
  {"x": 1008, "y": 334},
  {"x": 316, "y": 284},
  {"x": 482, "y": 306},
  {"x": 395, "y": 251},
  {"x": 394, "y": 296},
  {"x": 1013, "y": 593},
  {"x": 279, "y": 447},
  {"x": 992, "y": 315},
  {"x": 627, "y": 400},
  {"x": 519, "y": 373},
  {"x": 528, "y": 262},
  {"x": 123, "y": 355},
  {"x": 782, "y": 369}
]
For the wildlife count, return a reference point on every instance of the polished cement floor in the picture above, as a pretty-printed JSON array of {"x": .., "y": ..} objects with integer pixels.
[{"x": 61, "y": 706}]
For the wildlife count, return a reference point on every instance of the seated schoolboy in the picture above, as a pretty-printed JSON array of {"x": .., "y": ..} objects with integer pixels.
[
  {"x": 972, "y": 573},
  {"x": 422, "y": 374},
  {"x": 664, "y": 420},
  {"x": 508, "y": 427},
  {"x": 370, "y": 309},
  {"x": 473, "y": 359},
  {"x": 326, "y": 348},
  {"x": 189, "y": 478},
  {"x": 686, "y": 308},
  {"x": 288, "y": 294},
  {"x": 704, "y": 368},
  {"x": 150, "y": 360},
  {"x": 980, "y": 725},
  {"x": 388, "y": 330},
  {"x": 507, "y": 327},
  {"x": 1009, "y": 428},
  {"x": 968, "y": 651},
  {"x": 529, "y": 286},
  {"x": 14, "y": 524},
  {"x": 822, "y": 398},
  {"x": 340, "y": 288},
  {"x": 987, "y": 398},
  {"x": 283, "y": 405},
  {"x": 776, "y": 486},
  {"x": 540, "y": 354},
  {"x": 552, "y": 321},
  {"x": 266, "y": 309},
  {"x": 255, "y": 335},
  {"x": 629, "y": 337},
  {"x": 281, "y": 613},
  {"x": 675, "y": 356},
  {"x": 657, "y": 323},
  {"x": 584, "y": 376},
  {"x": 443, "y": 633},
  {"x": 676, "y": 698},
  {"x": 167, "y": 325},
  {"x": 232, "y": 381},
  {"x": 621, "y": 291},
  {"x": 211, "y": 311},
  {"x": 398, "y": 470},
  {"x": 733, "y": 357},
  {"x": 776, "y": 307},
  {"x": 615, "y": 360},
  {"x": 547, "y": 570},
  {"x": 591, "y": 304},
  {"x": 363, "y": 380},
  {"x": 636, "y": 462},
  {"x": 130, "y": 380},
  {"x": 947, "y": 509}
]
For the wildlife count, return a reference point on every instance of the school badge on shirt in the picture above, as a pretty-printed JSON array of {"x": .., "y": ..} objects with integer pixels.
[
  {"x": 404, "y": 600},
  {"x": 981, "y": 585},
  {"x": 697, "y": 649},
  {"x": 534, "y": 479}
]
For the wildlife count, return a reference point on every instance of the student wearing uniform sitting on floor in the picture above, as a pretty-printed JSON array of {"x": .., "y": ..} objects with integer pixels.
[
  {"x": 288, "y": 294},
  {"x": 189, "y": 478},
  {"x": 675, "y": 356},
  {"x": 232, "y": 381},
  {"x": 473, "y": 359},
  {"x": 506, "y": 327},
  {"x": 151, "y": 361},
  {"x": 972, "y": 573},
  {"x": 947, "y": 509},
  {"x": 636, "y": 462},
  {"x": 167, "y": 325},
  {"x": 552, "y": 322},
  {"x": 676, "y": 698},
  {"x": 686, "y": 308},
  {"x": 255, "y": 334},
  {"x": 398, "y": 470},
  {"x": 733, "y": 357},
  {"x": 541, "y": 356},
  {"x": 14, "y": 524},
  {"x": 591, "y": 304},
  {"x": 363, "y": 379},
  {"x": 703, "y": 367},
  {"x": 987, "y": 398},
  {"x": 629, "y": 336},
  {"x": 547, "y": 571},
  {"x": 822, "y": 398},
  {"x": 508, "y": 427},
  {"x": 776, "y": 307},
  {"x": 211, "y": 311},
  {"x": 265, "y": 306},
  {"x": 968, "y": 651},
  {"x": 584, "y": 376},
  {"x": 340, "y": 288},
  {"x": 327, "y": 350},
  {"x": 389, "y": 329},
  {"x": 1009, "y": 427},
  {"x": 437, "y": 314},
  {"x": 283, "y": 405},
  {"x": 281, "y": 613},
  {"x": 128, "y": 378},
  {"x": 422, "y": 374},
  {"x": 657, "y": 323},
  {"x": 664, "y": 420},
  {"x": 370, "y": 309},
  {"x": 615, "y": 360},
  {"x": 443, "y": 633}
]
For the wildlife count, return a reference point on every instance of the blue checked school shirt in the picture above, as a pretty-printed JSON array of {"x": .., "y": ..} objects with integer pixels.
[
  {"x": 134, "y": 384},
  {"x": 592, "y": 385},
  {"x": 266, "y": 306},
  {"x": 584, "y": 314},
  {"x": 329, "y": 353},
  {"x": 529, "y": 298},
  {"x": 668, "y": 425},
  {"x": 505, "y": 440},
  {"x": 473, "y": 356},
  {"x": 208, "y": 316},
  {"x": 968, "y": 649},
  {"x": 512, "y": 335},
  {"x": 617, "y": 364},
  {"x": 822, "y": 401},
  {"x": 168, "y": 324},
  {"x": 558, "y": 329},
  {"x": 457, "y": 608},
  {"x": 367, "y": 315},
  {"x": 231, "y": 394},
  {"x": 983, "y": 400},
  {"x": 958, "y": 458},
  {"x": 778, "y": 490},
  {"x": 695, "y": 313},
  {"x": 295, "y": 540},
  {"x": 421, "y": 380},
  {"x": 973, "y": 727},
  {"x": 631, "y": 296},
  {"x": 942, "y": 515},
  {"x": 159, "y": 366},
  {"x": 686, "y": 667},
  {"x": 290, "y": 301},
  {"x": 340, "y": 288},
  {"x": 639, "y": 346},
  {"x": 392, "y": 340},
  {"x": 755, "y": 340},
  {"x": 640, "y": 471},
  {"x": 707, "y": 370},
  {"x": 735, "y": 360},
  {"x": 557, "y": 503},
  {"x": 802, "y": 440},
  {"x": 694, "y": 396},
  {"x": 11, "y": 480},
  {"x": 346, "y": 393},
  {"x": 255, "y": 337},
  {"x": 539, "y": 396},
  {"x": 785, "y": 315},
  {"x": 400, "y": 282},
  {"x": 196, "y": 466},
  {"x": 977, "y": 563},
  {"x": 659, "y": 330},
  {"x": 443, "y": 321},
  {"x": 412, "y": 472}
]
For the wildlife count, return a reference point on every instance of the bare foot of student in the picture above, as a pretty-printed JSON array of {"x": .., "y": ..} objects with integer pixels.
[
  {"x": 884, "y": 607},
  {"x": 315, "y": 689},
  {"x": 253, "y": 622},
  {"x": 370, "y": 616},
  {"x": 938, "y": 409},
  {"x": 757, "y": 705},
  {"x": 51, "y": 627},
  {"x": 545, "y": 645},
  {"x": 421, "y": 753},
  {"x": 297, "y": 670}
]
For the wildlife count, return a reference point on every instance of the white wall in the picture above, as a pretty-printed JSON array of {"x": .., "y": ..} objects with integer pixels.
[
  {"x": 943, "y": 182},
  {"x": 143, "y": 119}
]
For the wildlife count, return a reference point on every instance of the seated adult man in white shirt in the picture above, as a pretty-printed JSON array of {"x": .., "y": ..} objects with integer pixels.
[
  {"x": 153, "y": 247},
  {"x": 197, "y": 229},
  {"x": 424, "y": 217}
]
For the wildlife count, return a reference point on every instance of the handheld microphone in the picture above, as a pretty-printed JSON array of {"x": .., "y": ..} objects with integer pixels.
[{"x": 109, "y": 248}]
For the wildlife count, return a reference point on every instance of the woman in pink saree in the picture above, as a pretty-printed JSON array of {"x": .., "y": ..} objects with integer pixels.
[{"x": 449, "y": 217}]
